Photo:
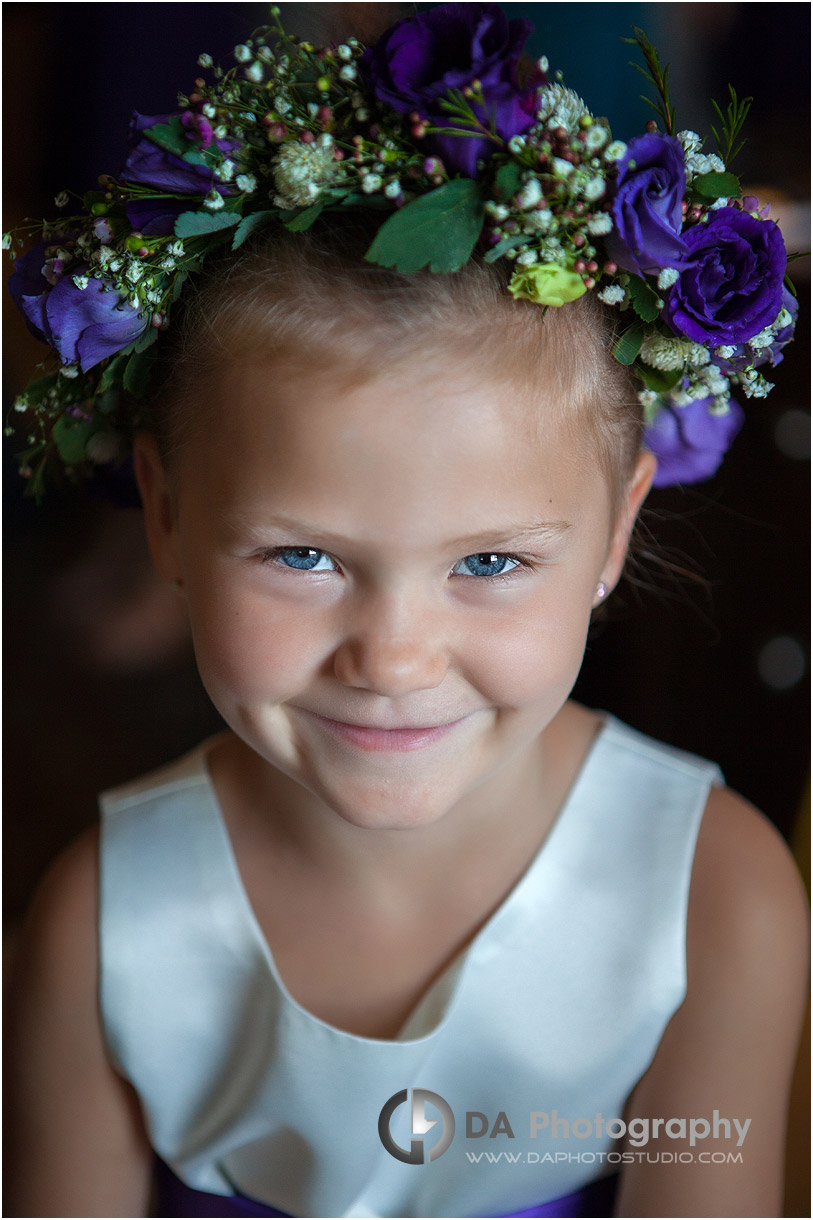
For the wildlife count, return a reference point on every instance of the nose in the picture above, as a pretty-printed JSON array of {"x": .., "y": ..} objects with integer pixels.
[{"x": 392, "y": 650}]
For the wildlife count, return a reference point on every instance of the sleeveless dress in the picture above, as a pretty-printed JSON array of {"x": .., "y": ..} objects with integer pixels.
[{"x": 503, "y": 1093}]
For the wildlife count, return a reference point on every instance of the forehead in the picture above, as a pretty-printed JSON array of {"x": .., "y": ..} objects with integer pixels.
[{"x": 424, "y": 443}]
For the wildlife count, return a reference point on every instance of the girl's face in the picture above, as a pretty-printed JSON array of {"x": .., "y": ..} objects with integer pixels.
[{"x": 412, "y": 552}]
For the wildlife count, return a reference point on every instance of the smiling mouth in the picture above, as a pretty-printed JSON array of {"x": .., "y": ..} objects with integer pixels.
[{"x": 376, "y": 739}]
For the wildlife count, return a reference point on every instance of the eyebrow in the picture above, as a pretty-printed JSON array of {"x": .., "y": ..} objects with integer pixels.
[{"x": 519, "y": 533}]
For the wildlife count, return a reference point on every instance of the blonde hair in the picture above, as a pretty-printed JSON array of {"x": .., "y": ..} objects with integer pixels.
[{"x": 311, "y": 301}]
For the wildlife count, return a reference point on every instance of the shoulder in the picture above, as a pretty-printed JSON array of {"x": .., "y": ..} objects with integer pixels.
[{"x": 747, "y": 895}]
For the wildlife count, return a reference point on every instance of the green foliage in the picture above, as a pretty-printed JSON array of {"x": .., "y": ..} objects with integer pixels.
[
  {"x": 508, "y": 180},
  {"x": 717, "y": 186},
  {"x": 304, "y": 220},
  {"x": 657, "y": 75},
  {"x": 249, "y": 224},
  {"x": 438, "y": 230},
  {"x": 507, "y": 243},
  {"x": 137, "y": 374},
  {"x": 170, "y": 136},
  {"x": 644, "y": 300},
  {"x": 197, "y": 224},
  {"x": 629, "y": 345},
  {"x": 731, "y": 124},
  {"x": 71, "y": 436},
  {"x": 659, "y": 380}
]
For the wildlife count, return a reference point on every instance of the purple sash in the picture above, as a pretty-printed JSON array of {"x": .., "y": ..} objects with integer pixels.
[{"x": 174, "y": 1198}]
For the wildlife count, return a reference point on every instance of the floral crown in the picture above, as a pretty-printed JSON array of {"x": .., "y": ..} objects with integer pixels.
[{"x": 432, "y": 131}]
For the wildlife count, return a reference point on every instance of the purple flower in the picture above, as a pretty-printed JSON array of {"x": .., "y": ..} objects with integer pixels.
[
  {"x": 647, "y": 206},
  {"x": 731, "y": 285},
  {"x": 689, "y": 442},
  {"x": 743, "y": 357},
  {"x": 415, "y": 63},
  {"x": 85, "y": 325},
  {"x": 149, "y": 165}
]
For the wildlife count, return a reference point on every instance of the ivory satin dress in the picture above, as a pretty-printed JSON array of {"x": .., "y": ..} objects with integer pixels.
[{"x": 255, "y": 1107}]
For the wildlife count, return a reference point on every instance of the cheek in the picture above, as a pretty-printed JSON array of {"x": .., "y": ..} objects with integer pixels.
[
  {"x": 533, "y": 653},
  {"x": 250, "y": 646}
]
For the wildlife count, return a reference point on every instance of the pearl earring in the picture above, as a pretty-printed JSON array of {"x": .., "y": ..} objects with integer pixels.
[{"x": 601, "y": 591}]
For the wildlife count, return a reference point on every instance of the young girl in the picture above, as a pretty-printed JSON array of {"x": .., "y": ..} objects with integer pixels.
[{"x": 417, "y": 935}]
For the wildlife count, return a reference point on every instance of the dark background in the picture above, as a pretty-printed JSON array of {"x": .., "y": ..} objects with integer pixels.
[{"x": 705, "y": 646}]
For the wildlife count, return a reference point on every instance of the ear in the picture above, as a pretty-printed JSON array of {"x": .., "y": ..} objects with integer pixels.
[
  {"x": 159, "y": 510},
  {"x": 637, "y": 490}
]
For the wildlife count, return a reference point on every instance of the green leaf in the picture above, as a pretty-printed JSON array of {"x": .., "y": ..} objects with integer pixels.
[
  {"x": 717, "y": 186},
  {"x": 508, "y": 179},
  {"x": 644, "y": 300},
  {"x": 145, "y": 340},
  {"x": 658, "y": 380},
  {"x": 197, "y": 224},
  {"x": 255, "y": 220},
  {"x": 438, "y": 230},
  {"x": 629, "y": 345},
  {"x": 36, "y": 390},
  {"x": 107, "y": 402},
  {"x": 170, "y": 136},
  {"x": 71, "y": 436},
  {"x": 137, "y": 374},
  {"x": 304, "y": 220},
  {"x": 507, "y": 243},
  {"x": 112, "y": 371}
]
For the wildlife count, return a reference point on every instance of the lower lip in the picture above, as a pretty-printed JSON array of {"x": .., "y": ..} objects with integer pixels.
[{"x": 379, "y": 740}]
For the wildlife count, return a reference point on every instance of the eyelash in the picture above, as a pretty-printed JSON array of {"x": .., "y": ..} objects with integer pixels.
[{"x": 524, "y": 563}]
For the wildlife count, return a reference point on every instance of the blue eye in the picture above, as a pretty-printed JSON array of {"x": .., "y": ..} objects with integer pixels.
[
  {"x": 304, "y": 558},
  {"x": 486, "y": 564}
]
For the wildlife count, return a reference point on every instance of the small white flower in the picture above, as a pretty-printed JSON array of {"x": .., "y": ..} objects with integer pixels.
[
  {"x": 527, "y": 258},
  {"x": 562, "y": 168},
  {"x": 722, "y": 202},
  {"x": 248, "y": 116},
  {"x": 600, "y": 224},
  {"x": 362, "y": 115},
  {"x": 596, "y": 137},
  {"x": 671, "y": 354},
  {"x": 755, "y": 385},
  {"x": 265, "y": 54},
  {"x": 167, "y": 264},
  {"x": 690, "y": 140},
  {"x": 225, "y": 172},
  {"x": 530, "y": 194},
  {"x": 517, "y": 143},
  {"x": 393, "y": 189},
  {"x": 81, "y": 281},
  {"x": 6, "y": 241},
  {"x": 344, "y": 52},
  {"x": 116, "y": 264},
  {"x": 615, "y": 151},
  {"x": 134, "y": 273},
  {"x": 348, "y": 72},
  {"x": 246, "y": 182},
  {"x": 220, "y": 132},
  {"x": 497, "y": 211},
  {"x": 594, "y": 189},
  {"x": 537, "y": 221},
  {"x": 613, "y": 294},
  {"x": 281, "y": 104},
  {"x": 255, "y": 73},
  {"x": 133, "y": 302},
  {"x": 213, "y": 201},
  {"x": 764, "y": 339},
  {"x": 725, "y": 352},
  {"x": 647, "y": 398},
  {"x": 301, "y": 170},
  {"x": 370, "y": 183},
  {"x": 543, "y": 64},
  {"x": 242, "y": 53},
  {"x": 21, "y": 403},
  {"x": 209, "y": 110},
  {"x": 61, "y": 199},
  {"x": 175, "y": 248},
  {"x": 205, "y": 61},
  {"x": 561, "y": 107},
  {"x": 667, "y": 278}
]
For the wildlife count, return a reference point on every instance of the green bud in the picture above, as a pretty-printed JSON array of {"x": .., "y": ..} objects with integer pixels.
[{"x": 323, "y": 84}]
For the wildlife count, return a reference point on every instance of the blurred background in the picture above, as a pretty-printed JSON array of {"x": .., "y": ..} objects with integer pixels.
[{"x": 705, "y": 645}]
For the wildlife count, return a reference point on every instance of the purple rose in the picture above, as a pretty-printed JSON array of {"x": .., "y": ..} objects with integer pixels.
[
  {"x": 415, "y": 63},
  {"x": 85, "y": 325},
  {"x": 689, "y": 442},
  {"x": 149, "y": 165},
  {"x": 731, "y": 285},
  {"x": 743, "y": 357},
  {"x": 647, "y": 206}
]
